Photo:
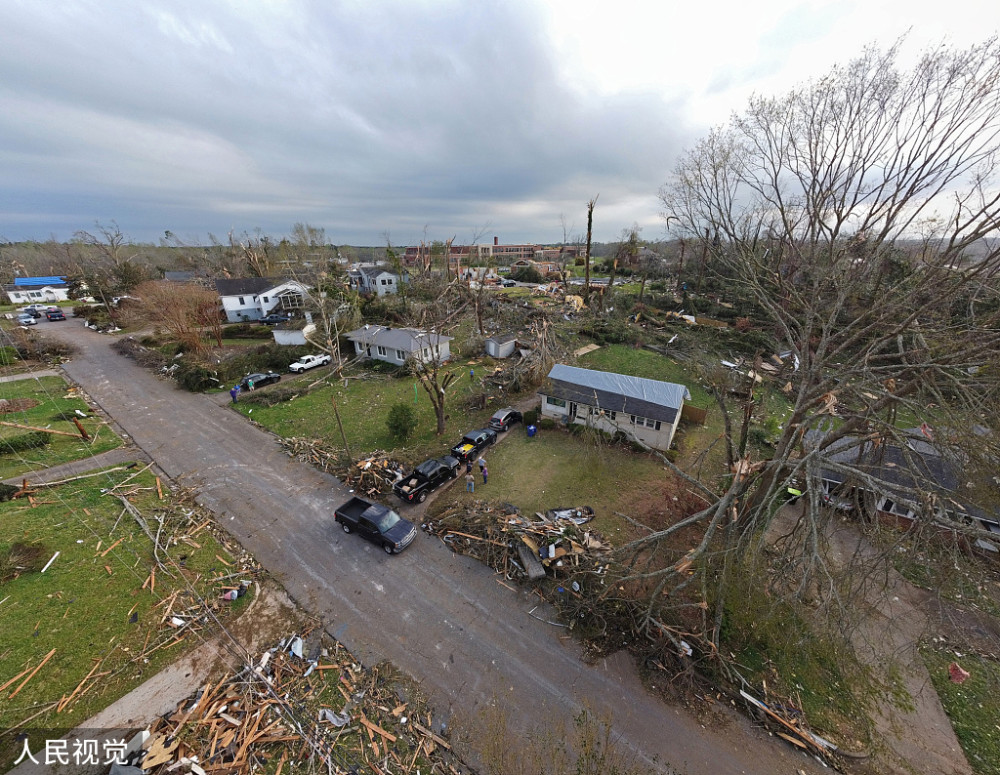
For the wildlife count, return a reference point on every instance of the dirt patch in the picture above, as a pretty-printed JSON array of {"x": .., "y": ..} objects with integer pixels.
[{"x": 11, "y": 405}]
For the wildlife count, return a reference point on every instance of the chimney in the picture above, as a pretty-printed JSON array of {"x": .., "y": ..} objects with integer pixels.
[{"x": 496, "y": 241}]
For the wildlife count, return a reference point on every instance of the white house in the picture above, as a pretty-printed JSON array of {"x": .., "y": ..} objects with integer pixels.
[
  {"x": 644, "y": 409},
  {"x": 397, "y": 345},
  {"x": 36, "y": 290},
  {"x": 374, "y": 279},
  {"x": 251, "y": 298},
  {"x": 501, "y": 345}
]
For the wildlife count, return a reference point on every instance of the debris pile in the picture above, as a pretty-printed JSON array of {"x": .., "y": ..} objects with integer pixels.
[
  {"x": 315, "y": 452},
  {"x": 517, "y": 545},
  {"x": 304, "y": 705}
]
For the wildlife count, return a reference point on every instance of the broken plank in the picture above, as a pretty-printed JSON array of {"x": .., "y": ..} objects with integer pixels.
[
  {"x": 376, "y": 728},
  {"x": 112, "y": 546},
  {"x": 25, "y": 681}
]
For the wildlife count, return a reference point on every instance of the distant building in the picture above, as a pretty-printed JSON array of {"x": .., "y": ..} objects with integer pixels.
[
  {"x": 501, "y": 346},
  {"x": 251, "y": 298},
  {"x": 375, "y": 280},
  {"x": 34, "y": 290},
  {"x": 501, "y": 255}
]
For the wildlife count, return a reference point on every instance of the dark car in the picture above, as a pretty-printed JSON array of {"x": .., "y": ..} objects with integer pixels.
[
  {"x": 425, "y": 478},
  {"x": 502, "y": 420},
  {"x": 55, "y": 315},
  {"x": 472, "y": 442},
  {"x": 33, "y": 311},
  {"x": 274, "y": 319},
  {"x": 508, "y": 283},
  {"x": 259, "y": 380}
]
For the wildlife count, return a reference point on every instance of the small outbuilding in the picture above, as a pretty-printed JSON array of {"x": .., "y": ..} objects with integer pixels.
[{"x": 501, "y": 346}]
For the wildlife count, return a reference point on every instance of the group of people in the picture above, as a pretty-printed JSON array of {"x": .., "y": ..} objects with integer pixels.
[
  {"x": 234, "y": 393},
  {"x": 470, "y": 480}
]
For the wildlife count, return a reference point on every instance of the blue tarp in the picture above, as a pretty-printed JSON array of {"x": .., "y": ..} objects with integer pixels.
[{"x": 34, "y": 281}]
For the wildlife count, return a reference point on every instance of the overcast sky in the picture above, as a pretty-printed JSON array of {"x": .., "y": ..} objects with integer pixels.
[{"x": 419, "y": 117}]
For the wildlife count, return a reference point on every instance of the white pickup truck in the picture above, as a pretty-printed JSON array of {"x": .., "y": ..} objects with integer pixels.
[{"x": 309, "y": 362}]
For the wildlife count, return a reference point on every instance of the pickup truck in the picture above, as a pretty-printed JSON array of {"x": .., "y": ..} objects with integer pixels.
[
  {"x": 309, "y": 362},
  {"x": 376, "y": 523},
  {"x": 426, "y": 478},
  {"x": 472, "y": 442}
]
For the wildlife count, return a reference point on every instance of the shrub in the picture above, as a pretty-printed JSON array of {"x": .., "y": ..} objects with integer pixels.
[
  {"x": 195, "y": 376},
  {"x": 402, "y": 421},
  {"x": 547, "y": 424},
  {"x": 531, "y": 417},
  {"x": 247, "y": 331},
  {"x": 24, "y": 441},
  {"x": 276, "y": 395},
  {"x": 527, "y": 274}
]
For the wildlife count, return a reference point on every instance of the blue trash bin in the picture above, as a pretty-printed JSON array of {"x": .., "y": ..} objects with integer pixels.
[{"x": 532, "y": 430}]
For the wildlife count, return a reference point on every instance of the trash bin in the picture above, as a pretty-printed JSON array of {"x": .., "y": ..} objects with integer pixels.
[{"x": 532, "y": 430}]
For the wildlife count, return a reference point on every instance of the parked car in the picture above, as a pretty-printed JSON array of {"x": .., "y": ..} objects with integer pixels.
[
  {"x": 24, "y": 319},
  {"x": 259, "y": 379},
  {"x": 55, "y": 315},
  {"x": 376, "y": 523},
  {"x": 472, "y": 442},
  {"x": 275, "y": 318},
  {"x": 508, "y": 283},
  {"x": 309, "y": 362},
  {"x": 426, "y": 478},
  {"x": 32, "y": 310},
  {"x": 503, "y": 419}
]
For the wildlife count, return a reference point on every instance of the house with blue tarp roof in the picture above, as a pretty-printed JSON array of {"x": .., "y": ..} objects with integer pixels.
[{"x": 37, "y": 290}]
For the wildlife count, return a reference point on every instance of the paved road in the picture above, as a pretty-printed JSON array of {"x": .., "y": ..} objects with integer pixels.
[{"x": 441, "y": 618}]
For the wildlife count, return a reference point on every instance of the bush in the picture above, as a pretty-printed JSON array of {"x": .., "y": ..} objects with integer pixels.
[
  {"x": 24, "y": 441},
  {"x": 526, "y": 274},
  {"x": 247, "y": 331},
  {"x": 547, "y": 424},
  {"x": 195, "y": 376},
  {"x": 531, "y": 417},
  {"x": 276, "y": 395},
  {"x": 402, "y": 421}
]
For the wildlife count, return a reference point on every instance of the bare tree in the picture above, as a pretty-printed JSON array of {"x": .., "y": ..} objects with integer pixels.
[
  {"x": 183, "y": 310},
  {"x": 254, "y": 253},
  {"x": 805, "y": 205},
  {"x": 108, "y": 262},
  {"x": 586, "y": 256}
]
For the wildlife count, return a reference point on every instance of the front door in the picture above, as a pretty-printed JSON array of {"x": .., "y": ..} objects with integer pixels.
[{"x": 572, "y": 411}]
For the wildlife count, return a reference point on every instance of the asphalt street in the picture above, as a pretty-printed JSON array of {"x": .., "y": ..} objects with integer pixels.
[{"x": 439, "y": 617}]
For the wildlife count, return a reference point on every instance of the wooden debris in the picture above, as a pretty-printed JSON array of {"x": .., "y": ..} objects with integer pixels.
[{"x": 25, "y": 681}]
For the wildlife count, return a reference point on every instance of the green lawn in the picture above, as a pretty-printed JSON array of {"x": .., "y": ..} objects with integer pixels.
[
  {"x": 972, "y": 706},
  {"x": 55, "y": 401},
  {"x": 557, "y": 469},
  {"x": 363, "y": 405},
  {"x": 83, "y": 605}
]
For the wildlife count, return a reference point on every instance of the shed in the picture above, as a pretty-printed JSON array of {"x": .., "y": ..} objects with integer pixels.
[{"x": 501, "y": 346}]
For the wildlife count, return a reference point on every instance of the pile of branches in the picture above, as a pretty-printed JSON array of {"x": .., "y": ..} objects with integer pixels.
[
  {"x": 315, "y": 452},
  {"x": 144, "y": 356},
  {"x": 304, "y": 705},
  {"x": 374, "y": 475},
  {"x": 542, "y": 347}
]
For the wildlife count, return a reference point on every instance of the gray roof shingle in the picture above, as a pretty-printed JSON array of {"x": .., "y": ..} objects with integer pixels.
[
  {"x": 618, "y": 392},
  {"x": 405, "y": 339}
]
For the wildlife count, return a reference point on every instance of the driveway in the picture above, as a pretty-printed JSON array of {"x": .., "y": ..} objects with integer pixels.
[{"x": 442, "y": 618}]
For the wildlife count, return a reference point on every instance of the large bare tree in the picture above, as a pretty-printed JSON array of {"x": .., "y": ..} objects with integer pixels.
[{"x": 854, "y": 214}]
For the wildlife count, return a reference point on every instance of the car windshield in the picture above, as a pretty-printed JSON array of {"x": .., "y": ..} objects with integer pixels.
[{"x": 387, "y": 520}]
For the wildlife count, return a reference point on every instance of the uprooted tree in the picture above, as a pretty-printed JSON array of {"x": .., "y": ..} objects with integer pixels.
[{"x": 858, "y": 213}]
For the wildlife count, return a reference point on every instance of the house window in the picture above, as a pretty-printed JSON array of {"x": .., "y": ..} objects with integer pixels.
[
  {"x": 555, "y": 401},
  {"x": 400, "y": 355},
  {"x": 242, "y": 301},
  {"x": 381, "y": 350},
  {"x": 266, "y": 300},
  {"x": 644, "y": 422}
]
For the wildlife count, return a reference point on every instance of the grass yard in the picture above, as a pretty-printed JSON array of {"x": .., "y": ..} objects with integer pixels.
[
  {"x": 90, "y": 606},
  {"x": 557, "y": 469},
  {"x": 363, "y": 405},
  {"x": 972, "y": 706},
  {"x": 55, "y": 404}
]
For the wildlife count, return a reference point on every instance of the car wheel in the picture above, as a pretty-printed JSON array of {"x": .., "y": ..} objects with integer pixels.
[
  {"x": 422, "y": 497},
  {"x": 389, "y": 549},
  {"x": 347, "y": 528}
]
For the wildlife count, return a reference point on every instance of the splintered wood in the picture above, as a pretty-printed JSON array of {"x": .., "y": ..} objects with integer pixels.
[
  {"x": 277, "y": 713},
  {"x": 519, "y": 546},
  {"x": 370, "y": 476}
]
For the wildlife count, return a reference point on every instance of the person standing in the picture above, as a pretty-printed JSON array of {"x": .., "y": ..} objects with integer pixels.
[
  {"x": 234, "y": 394},
  {"x": 482, "y": 464},
  {"x": 468, "y": 466},
  {"x": 250, "y": 385},
  {"x": 486, "y": 473},
  {"x": 470, "y": 482}
]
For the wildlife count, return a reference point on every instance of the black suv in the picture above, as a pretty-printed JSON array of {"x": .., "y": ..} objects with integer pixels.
[
  {"x": 502, "y": 420},
  {"x": 472, "y": 442}
]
